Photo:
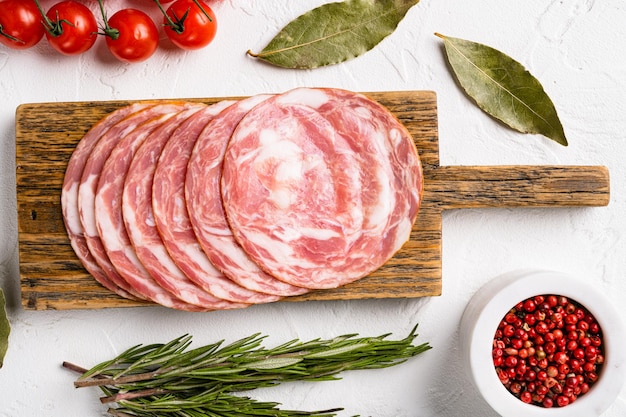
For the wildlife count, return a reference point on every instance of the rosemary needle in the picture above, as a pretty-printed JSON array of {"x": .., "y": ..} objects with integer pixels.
[{"x": 173, "y": 380}]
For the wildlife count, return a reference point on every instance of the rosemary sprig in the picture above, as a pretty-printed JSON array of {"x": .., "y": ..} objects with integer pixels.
[
  {"x": 172, "y": 380},
  {"x": 211, "y": 403}
]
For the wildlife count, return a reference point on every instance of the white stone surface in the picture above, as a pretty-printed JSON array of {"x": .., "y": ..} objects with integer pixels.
[{"x": 575, "y": 48}]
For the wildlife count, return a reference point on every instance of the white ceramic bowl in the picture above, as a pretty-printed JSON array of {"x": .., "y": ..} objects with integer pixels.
[{"x": 489, "y": 305}]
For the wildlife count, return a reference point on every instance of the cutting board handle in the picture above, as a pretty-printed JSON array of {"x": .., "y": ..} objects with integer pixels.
[{"x": 454, "y": 187}]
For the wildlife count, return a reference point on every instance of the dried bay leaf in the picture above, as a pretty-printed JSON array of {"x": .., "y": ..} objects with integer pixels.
[
  {"x": 5, "y": 328},
  {"x": 503, "y": 88},
  {"x": 334, "y": 33}
]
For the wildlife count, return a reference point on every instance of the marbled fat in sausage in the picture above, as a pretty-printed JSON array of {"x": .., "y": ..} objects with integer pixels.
[
  {"x": 139, "y": 220},
  {"x": 204, "y": 204},
  {"x": 89, "y": 183},
  {"x": 69, "y": 194},
  {"x": 321, "y": 186},
  {"x": 109, "y": 220},
  {"x": 172, "y": 219}
]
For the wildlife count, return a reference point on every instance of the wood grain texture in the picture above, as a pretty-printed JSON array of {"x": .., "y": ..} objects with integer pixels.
[{"x": 53, "y": 278}]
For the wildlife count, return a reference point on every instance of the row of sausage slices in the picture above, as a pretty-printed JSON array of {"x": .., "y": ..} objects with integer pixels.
[{"x": 201, "y": 207}]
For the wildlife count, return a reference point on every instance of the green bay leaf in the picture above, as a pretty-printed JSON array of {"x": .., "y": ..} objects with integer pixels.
[
  {"x": 334, "y": 33},
  {"x": 5, "y": 328},
  {"x": 503, "y": 88}
]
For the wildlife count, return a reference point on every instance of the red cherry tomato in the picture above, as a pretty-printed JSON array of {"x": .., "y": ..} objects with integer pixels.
[
  {"x": 71, "y": 27},
  {"x": 132, "y": 36},
  {"x": 190, "y": 24},
  {"x": 20, "y": 24}
]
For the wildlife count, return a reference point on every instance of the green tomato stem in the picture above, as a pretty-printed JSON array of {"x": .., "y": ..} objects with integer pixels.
[
  {"x": 203, "y": 11},
  {"x": 54, "y": 28},
  {"x": 6, "y": 35},
  {"x": 106, "y": 29},
  {"x": 170, "y": 22},
  {"x": 177, "y": 24}
]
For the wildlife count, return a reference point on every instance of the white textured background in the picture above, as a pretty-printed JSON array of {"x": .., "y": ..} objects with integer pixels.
[{"x": 576, "y": 48}]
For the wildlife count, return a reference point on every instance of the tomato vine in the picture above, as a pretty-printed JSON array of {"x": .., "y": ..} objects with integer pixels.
[{"x": 71, "y": 28}]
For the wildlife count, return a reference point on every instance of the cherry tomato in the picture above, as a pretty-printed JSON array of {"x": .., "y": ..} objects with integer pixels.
[
  {"x": 71, "y": 27},
  {"x": 190, "y": 24},
  {"x": 20, "y": 24},
  {"x": 132, "y": 36}
]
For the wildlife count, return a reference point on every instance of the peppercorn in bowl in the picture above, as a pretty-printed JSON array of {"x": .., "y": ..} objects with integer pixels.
[{"x": 541, "y": 343}]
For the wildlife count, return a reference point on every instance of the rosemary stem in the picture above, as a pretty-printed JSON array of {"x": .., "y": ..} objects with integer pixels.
[
  {"x": 75, "y": 368},
  {"x": 96, "y": 382},
  {"x": 117, "y": 413},
  {"x": 121, "y": 396}
]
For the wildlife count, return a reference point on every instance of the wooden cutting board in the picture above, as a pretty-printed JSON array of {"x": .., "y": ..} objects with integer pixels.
[{"x": 52, "y": 277}]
